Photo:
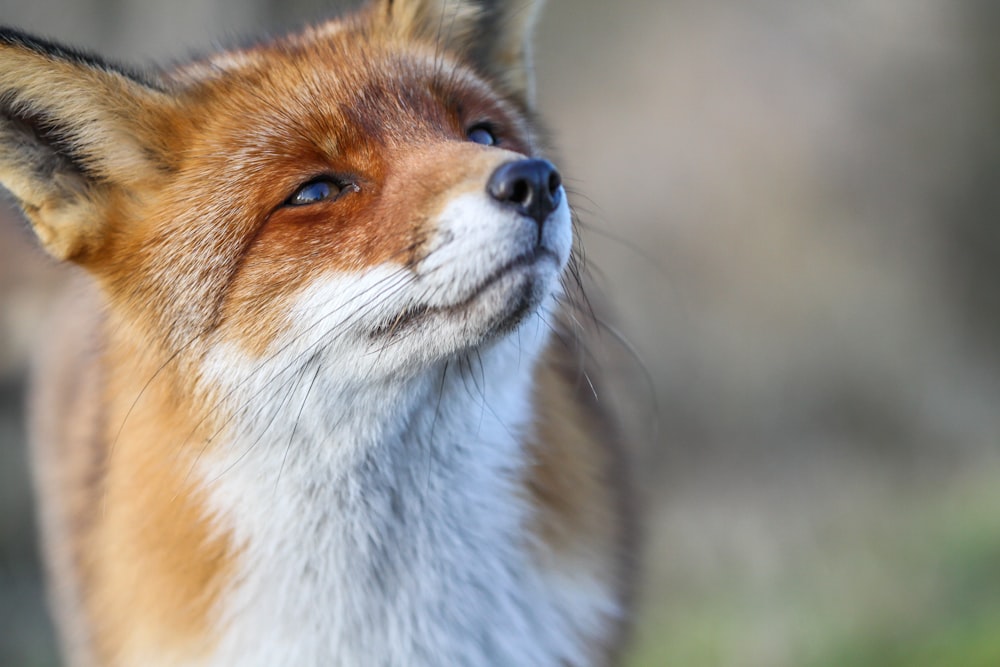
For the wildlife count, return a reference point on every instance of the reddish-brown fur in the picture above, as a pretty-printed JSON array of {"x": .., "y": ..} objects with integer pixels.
[
  {"x": 134, "y": 556},
  {"x": 122, "y": 496}
]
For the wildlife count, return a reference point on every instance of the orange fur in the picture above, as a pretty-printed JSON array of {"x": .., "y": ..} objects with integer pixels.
[
  {"x": 121, "y": 495},
  {"x": 153, "y": 519},
  {"x": 169, "y": 193}
]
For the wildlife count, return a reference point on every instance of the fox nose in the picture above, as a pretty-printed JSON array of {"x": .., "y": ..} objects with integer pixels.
[{"x": 530, "y": 187}]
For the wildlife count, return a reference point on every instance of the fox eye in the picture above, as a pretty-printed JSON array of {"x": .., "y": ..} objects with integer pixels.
[
  {"x": 480, "y": 134},
  {"x": 321, "y": 189}
]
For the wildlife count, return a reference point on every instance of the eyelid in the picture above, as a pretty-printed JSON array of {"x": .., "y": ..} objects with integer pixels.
[{"x": 339, "y": 186}]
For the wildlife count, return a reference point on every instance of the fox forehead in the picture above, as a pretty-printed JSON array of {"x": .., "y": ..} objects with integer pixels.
[{"x": 334, "y": 92}]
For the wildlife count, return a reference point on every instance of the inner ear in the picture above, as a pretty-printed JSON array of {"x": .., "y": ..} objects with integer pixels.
[
  {"x": 42, "y": 144},
  {"x": 72, "y": 128}
]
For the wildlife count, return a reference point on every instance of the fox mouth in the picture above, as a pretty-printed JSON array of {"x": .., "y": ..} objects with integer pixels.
[{"x": 522, "y": 298}]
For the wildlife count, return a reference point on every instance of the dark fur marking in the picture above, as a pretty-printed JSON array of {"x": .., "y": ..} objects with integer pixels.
[
  {"x": 16, "y": 38},
  {"x": 41, "y": 140}
]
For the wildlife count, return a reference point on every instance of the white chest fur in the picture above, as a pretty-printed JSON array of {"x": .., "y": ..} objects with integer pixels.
[{"x": 383, "y": 521}]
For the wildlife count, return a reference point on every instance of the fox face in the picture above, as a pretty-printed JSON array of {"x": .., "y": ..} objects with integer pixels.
[
  {"x": 320, "y": 415},
  {"x": 359, "y": 153},
  {"x": 392, "y": 208}
]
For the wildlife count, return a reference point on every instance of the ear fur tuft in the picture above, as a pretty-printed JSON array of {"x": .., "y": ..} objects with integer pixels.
[
  {"x": 72, "y": 128},
  {"x": 493, "y": 35}
]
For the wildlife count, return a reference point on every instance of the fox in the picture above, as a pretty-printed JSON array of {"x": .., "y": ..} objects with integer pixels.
[{"x": 317, "y": 392}]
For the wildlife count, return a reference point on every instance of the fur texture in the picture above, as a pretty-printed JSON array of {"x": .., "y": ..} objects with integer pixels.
[{"x": 354, "y": 431}]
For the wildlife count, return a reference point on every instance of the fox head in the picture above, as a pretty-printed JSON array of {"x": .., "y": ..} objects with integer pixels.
[{"x": 376, "y": 178}]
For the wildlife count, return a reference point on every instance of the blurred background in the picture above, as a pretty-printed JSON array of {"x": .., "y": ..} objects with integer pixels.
[{"x": 792, "y": 212}]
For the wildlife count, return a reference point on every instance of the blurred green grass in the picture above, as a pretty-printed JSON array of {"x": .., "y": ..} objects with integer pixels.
[{"x": 917, "y": 585}]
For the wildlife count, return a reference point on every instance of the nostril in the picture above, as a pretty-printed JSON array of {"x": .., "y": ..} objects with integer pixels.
[
  {"x": 555, "y": 182},
  {"x": 521, "y": 193}
]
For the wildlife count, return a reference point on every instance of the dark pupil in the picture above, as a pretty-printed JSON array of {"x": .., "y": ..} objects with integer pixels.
[
  {"x": 481, "y": 135},
  {"x": 313, "y": 192}
]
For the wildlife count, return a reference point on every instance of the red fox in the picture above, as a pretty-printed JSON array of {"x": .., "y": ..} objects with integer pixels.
[{"x": 315, "y": 398}]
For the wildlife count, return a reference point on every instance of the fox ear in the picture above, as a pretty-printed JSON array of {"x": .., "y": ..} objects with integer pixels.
[
  {"x": 493, "y": 34},
  {"x": 72, "y": 130}
]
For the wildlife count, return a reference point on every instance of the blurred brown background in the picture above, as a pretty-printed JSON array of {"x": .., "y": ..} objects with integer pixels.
[{"x": 792, "y": 210}]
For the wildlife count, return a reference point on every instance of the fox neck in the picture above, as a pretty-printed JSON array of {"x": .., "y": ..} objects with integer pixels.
[{"x": 395, "y": 508}]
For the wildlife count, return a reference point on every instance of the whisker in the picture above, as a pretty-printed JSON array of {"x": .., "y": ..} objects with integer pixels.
[
  {"x": 253, "y": 445},
  {"x": 295, "y": 426},
  {"x": 278, "y": 374}
]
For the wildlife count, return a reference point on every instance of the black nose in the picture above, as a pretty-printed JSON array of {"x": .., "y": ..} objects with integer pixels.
[{"x": 530, "y": 187}]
